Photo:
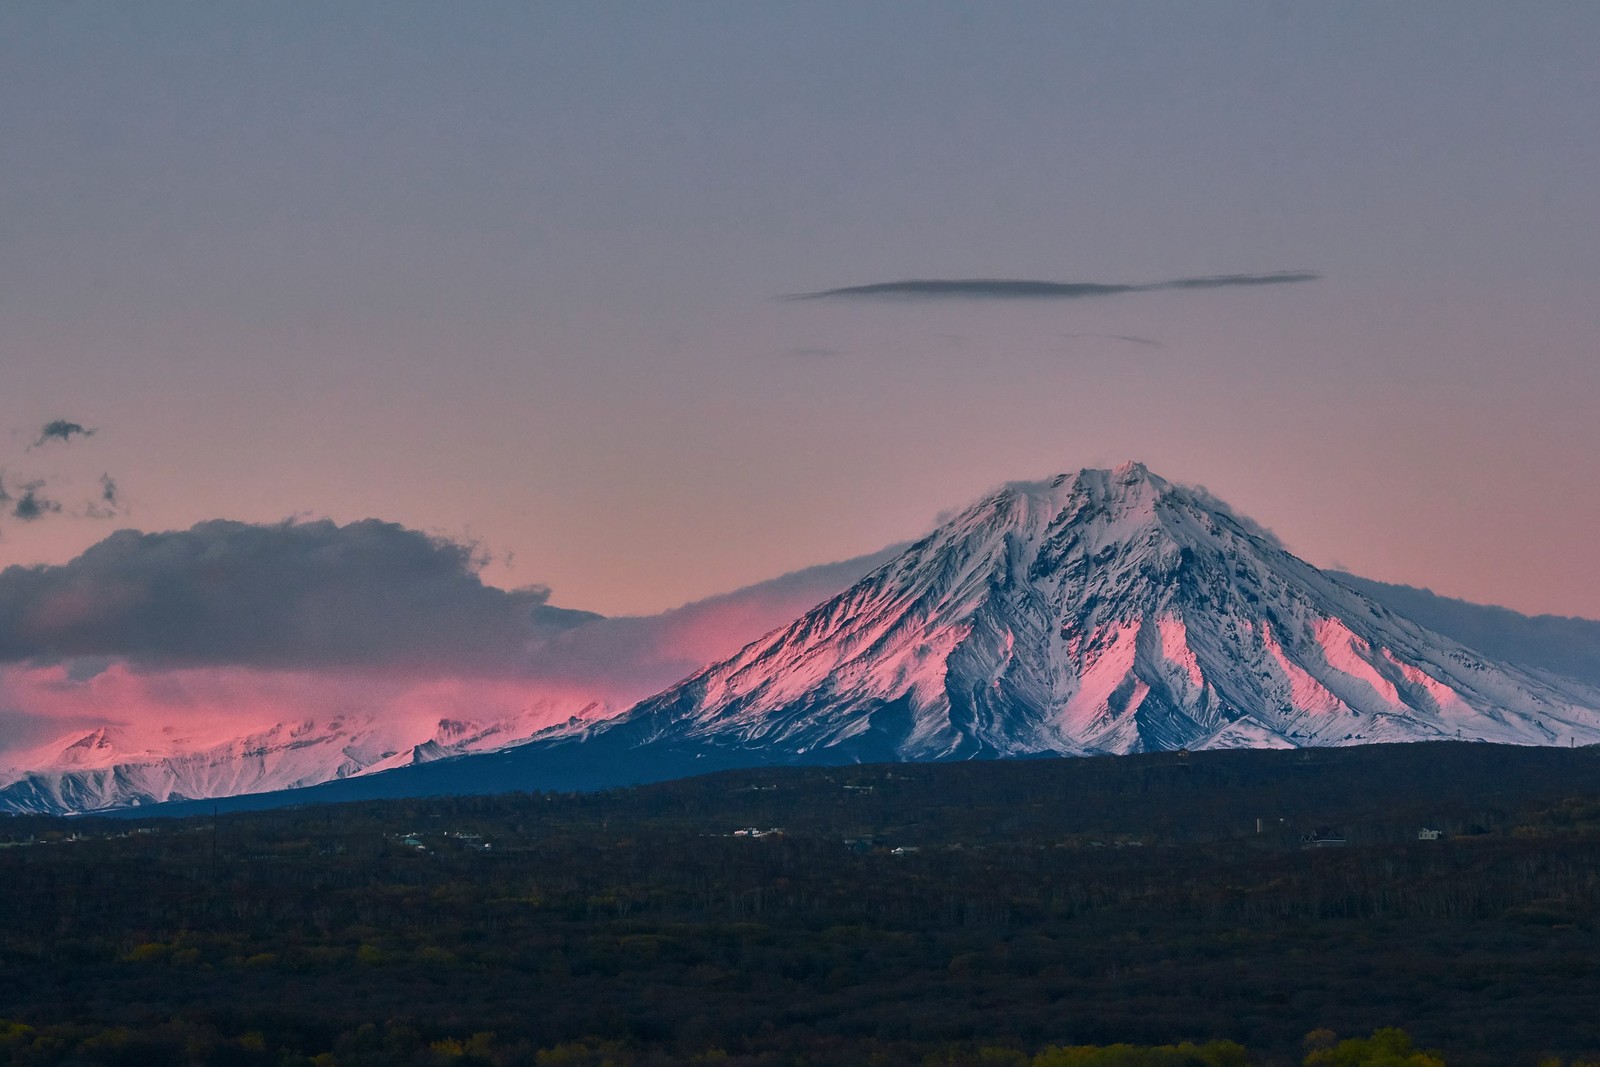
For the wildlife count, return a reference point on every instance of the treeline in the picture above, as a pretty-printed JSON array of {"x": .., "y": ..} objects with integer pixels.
[{"x": 399, "y": 1045}]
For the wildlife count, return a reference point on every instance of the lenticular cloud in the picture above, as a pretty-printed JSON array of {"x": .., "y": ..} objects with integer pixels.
[{"x": 1028, "y": 289}]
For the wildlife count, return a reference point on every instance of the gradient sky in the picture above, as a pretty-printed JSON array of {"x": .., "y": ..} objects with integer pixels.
[{"x": 512, "y": 271}]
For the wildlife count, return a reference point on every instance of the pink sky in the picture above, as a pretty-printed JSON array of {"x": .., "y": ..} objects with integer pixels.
[{"x": 514, "y": 277}]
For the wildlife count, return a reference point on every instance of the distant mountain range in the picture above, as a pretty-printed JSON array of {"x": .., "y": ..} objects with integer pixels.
[
  {"x": 99, "y": 770},
  {"x": 1553, "y": 643},
  {"x": 1099, "y": 612}
]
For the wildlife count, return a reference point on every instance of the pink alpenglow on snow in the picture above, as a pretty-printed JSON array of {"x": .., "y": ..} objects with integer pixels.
[{"x": 1104, "y": 612}]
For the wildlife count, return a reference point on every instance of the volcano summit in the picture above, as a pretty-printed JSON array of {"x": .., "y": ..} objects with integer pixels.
[{"x": 1102, "y": 612}]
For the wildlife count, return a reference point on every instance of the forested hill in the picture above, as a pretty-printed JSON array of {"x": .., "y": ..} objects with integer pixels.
[{"x": 899, "y": 914}]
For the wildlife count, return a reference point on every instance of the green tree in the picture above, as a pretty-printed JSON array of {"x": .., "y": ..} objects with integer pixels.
[{"x": 1389, "y": 1047}]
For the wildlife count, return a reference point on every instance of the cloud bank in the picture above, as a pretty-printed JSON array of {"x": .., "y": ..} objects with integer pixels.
[
  {"x": 208, "y": 633},
  {"x": 304, "y": 595},
  {"x": 1024, "y": 289}
]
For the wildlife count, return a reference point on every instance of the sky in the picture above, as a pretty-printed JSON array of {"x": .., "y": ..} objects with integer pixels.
[{"x": 522, "y": 276}]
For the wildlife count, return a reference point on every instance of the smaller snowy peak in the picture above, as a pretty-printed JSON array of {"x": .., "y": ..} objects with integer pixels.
[
  {"x": 97, "y": 748},
  {"x": 94, "y": 739},
  {"x": 92, "y": 772},
  {"x": 92, "y": 745}
]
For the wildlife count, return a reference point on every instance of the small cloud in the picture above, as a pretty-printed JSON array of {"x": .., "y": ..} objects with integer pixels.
[
  {"x": 1246, "y": 523},
  {"x": 61, "y": 430},
  {"x": 1129, "y": 338},
  {"x": 33, "y": 505},
  {"x": 1028, "y": 289},
  {"x": 109, "y": 504},
  {"x": 812, "y": 353}
]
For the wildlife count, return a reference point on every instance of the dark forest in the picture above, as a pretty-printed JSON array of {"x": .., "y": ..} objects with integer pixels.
[{"x": 1208, "y": 908}]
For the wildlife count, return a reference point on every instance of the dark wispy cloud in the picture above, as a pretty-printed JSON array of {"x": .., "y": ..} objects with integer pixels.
[
  {"x": 61, "y": 430},
  {"x": 1145, "y": 342},
  {"x": 1025, "y": 289},
  {"x": 108, "y": 505},
  {"x": 296, "y": 594},
  {"x": 33, "y": 505}
]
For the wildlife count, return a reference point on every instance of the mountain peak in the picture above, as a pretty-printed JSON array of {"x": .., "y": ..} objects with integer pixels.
[
  {"x": 1102, "y": 611},
  {"x": 98, "y": 738},
  {"x": 1126, "y": 482},
  {"x": 1130, "y": 471},
  {"x": 1127, "y": 473}
]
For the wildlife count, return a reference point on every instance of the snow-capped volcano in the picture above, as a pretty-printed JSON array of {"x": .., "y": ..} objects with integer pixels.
[{"x": 1102, "y": 612}]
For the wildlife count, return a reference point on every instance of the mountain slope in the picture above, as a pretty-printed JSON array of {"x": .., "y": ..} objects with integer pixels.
[
  {"x": 1102, "y": 612},
  {"x": 1559, "y": 644}
]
